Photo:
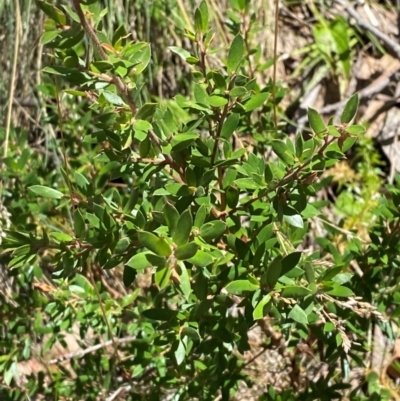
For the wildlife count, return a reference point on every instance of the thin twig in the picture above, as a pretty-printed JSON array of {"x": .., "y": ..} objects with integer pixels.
[
  {"x": 91, "y": 349},
  {"x": 381, "y": 83},
  {"x": 121, "y": 391}
]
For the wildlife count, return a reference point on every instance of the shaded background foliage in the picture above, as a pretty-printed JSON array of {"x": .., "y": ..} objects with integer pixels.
[{"x": 323, "y": 60}]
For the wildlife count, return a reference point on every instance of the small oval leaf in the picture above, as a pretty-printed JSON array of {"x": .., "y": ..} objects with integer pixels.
[
  {"x": 212, "y": 230},
  {"x": 46, "y": 192},
  {"x": 316, "y": 122},
  {"x": 298, "y": 315},
  {"x": 256, "y": 101},
  {"x": 236, "y": 53},
  {"x": 201, "y": 259},
  {"x": 261, "y": 309},
  {"x": 296, "y": 220},
  {"x": 340, "y": 291},
  {"x": 282, "y": 151},
  {"x": 171, "y": 216},
  {"x": 294, "y": 291},
  {"x": 186, "y": 251},
  {"x": 350, "y": 110},
  {"x": 153, "y": 243},
  {"x": 183, "y": 228},
  {"x": 237, "y": 287}
]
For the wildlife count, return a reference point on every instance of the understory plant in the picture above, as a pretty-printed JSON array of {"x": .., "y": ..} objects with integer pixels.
[{"x": 204, "y": 207}]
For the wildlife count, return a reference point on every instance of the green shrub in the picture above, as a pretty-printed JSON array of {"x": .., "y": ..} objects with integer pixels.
[{"x": 210, "y": 203}]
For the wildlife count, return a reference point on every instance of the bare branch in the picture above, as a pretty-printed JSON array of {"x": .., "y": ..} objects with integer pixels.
[{"x": 93, "y": 348}]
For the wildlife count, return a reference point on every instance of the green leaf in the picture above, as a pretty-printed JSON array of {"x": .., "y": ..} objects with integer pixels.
[
  {"x": 232, "y": 197},
  {"x": 81, "y": 181},
  {"x": 201, "y": 259},
  {"x": 331, "y": 273},
  {"x": 295, "y": 220},
  {"x": 262, "y": 307},
  {"x": 350, "y": 110},
  {"x": 299, "y": 141},
  {"x": 142, "y": 125},
  {"x": 179, "y": 189},
  {"x": 122, "y": 245},
  {"x": 340, "y": 291},
  {"x": 129, "y": 276},
  {"x": 186, "y": 251},
  {"x": 219, "y": 79},
  {"x": 298, "y": 315},
  {"x": 162, "y": 276},
  {"x": 11, "y": 373},
  {"x": 355, "y": 130},
  {"x": 184, "y": 280},
  {"x": 237, "y": 287},
  {"x": 171, "y": 216},
  {"x": 310, "y": 273},
  {"x": 79, "y": 224},
  {"x": 119, "y": 33},
  {"x": 290, "y": 261},
  {"x": 147, "y": 111},
  {"x": 316, "y": 122},
  {"x": 212, "y": 230},
  {"x": 53, "y": 12},
  {"x": 155, "y": 244},
  {"x": 200, "y": 216},
  {"x": 141, "y": 57},
  {"x": 256, "y": 101},
  {"x": 159, "y": 314},
  {"x": 246, "y": 183},
  {"x": 198, "y": 23},
  {"x": 229, "y": 125},
  {"x": 183, "y": 228},
  {"x": 217, "y": 101},
  {"x": 282, "y": 151},
  {"x": 46, "y": 192},
  {"x": 180, "y": 353},
  {"x": 200, "y": 94},
  {"x": 294, "y": 291},
  {"x": 236, "y": 53},
  {"x": 204, "y": 16},
  {"x": 103, "y": 66},
  {"x": 62, "y": 237},
  {"x": 184, "y": 54},
  {"x": 274, "y": 271},
  {"x": 310, "y": 211},
  {"x": 190, "y": 332},
  {"x": 333, "y": 131},
  {"x": 143, "y": 260},
  {"x": 49, "y": 36},
  {"x": 113, "y": 98},
  {"x": 238, "y": 91},
  {"x": 182, "y": 141},
  {"x": 75, "y": 92}
]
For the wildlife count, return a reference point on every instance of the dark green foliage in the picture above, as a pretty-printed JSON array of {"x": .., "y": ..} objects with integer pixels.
[{"x": 220, "y": 230}]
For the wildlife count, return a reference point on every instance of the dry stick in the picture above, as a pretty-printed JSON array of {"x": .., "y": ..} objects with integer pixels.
[
  {"x": 122, "y": 88},
  {"x": 389, "y": 43},
  {"x": 381, "y": 83},
  {"x": 121, "y": 391},
  {"x": 93, "y": 348},
  {"x": 367, "y": 92}
]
